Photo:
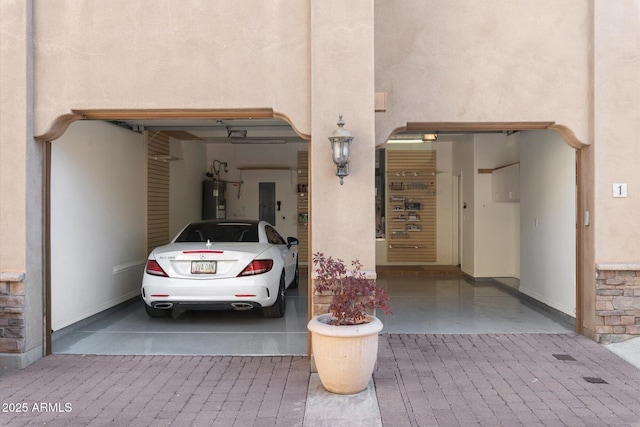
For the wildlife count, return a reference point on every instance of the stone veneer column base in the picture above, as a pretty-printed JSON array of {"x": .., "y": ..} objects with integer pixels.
[
  {"x": 12, "y": 332},
  {"x": 617, "y": 302}
]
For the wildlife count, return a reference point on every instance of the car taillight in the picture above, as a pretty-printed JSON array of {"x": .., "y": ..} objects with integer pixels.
[
  {"x": 257, "y": 266},
  {"x": 154, "y": 268}
]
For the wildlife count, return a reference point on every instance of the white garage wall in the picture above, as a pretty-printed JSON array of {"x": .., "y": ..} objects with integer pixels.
[
  {"x": 185, "y": 183},
  {"x": 497, "y": 224},
  {"x": 97, "y": 220},
  {"x": 253, "y": 164},
  {"x": 548, "y": 216},
  {"x": 464, "y": 167},
  {"x": 490, "y": 235}
]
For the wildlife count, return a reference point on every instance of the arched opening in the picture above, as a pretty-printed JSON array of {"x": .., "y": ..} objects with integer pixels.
[
  {"x": 100, "y": 215},
  {"x": 485, "y": 135},
  {"x": 523, "y": 238}
]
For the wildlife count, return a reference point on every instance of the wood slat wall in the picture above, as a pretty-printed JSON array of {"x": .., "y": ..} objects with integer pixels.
[
  {"x": 411, "y": 229},
  {"x": 303, "y": 206},
  {"x": 157, "y": 190}
]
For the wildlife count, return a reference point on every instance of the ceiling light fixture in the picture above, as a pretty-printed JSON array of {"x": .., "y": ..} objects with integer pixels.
[
  {"x": 236, "y": 134},
  {"x": 430, "y": 136},
  {"x": 412, "y": 138}
]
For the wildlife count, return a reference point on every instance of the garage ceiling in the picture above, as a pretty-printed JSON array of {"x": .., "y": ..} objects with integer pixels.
[
  {"x": 235, "y": 131},
  {"x": 243, "y": 131}
]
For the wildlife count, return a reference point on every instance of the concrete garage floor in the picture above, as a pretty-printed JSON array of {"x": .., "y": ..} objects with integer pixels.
[
  {"x": 420, "y": 304},
  {"x": 461, "y": 306},
  {"x": 128, "y": 330}
]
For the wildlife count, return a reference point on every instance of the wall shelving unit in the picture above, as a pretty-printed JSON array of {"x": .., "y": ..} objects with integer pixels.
[
  {"x": 303, "y": 206},
  {"x": 411, "y": 206}
]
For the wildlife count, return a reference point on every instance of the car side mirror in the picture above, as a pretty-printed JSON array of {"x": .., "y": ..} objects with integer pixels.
[{"x": 292, "y": 241}]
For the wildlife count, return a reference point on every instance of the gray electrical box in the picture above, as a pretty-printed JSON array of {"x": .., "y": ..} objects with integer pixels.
[{"x": 214, "y": 199}]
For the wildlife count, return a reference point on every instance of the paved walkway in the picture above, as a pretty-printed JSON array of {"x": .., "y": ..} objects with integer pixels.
[
  {"x": 420, "y": 380},
  {"x": 504, "y": 380}
]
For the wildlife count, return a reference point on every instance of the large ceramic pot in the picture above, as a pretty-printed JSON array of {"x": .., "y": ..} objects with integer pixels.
[{"x": 345, "y": 355}]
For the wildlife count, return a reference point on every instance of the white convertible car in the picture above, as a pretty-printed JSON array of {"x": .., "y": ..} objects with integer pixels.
[{"x": 221, "y": 265}]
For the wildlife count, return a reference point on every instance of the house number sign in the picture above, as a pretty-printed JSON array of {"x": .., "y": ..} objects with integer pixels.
[{"x": 620, "y": 190}]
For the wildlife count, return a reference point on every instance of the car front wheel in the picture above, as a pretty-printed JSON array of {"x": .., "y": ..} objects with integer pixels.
[{"x": 278, "y": 308}]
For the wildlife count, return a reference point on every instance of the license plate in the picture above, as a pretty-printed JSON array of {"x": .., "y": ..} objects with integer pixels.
[{"x": 203, "y": 267}]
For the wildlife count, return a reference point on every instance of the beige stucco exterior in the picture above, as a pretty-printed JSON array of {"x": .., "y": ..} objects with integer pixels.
[
  {"x": 487, "y": 61},
  {"x": 616, "y": 129},
  {"x": 342, "y": 83},
  {"x": 574, "y": 63},
  {"x": 169, "y": 54},
  {"x": 14, "y": 107}
]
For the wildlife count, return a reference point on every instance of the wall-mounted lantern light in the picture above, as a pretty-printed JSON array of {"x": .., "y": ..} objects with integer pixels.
[{"x": 341, "y": 147}]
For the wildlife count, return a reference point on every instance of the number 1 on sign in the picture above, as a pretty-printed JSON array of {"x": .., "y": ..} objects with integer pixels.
[{"x": 620, "y": 190}]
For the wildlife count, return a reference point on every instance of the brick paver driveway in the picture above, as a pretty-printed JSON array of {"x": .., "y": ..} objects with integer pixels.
[{"x": 421, "y": 380}]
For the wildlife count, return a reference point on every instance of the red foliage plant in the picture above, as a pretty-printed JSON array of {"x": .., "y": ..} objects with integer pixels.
[{"x": 353, "y": 295}]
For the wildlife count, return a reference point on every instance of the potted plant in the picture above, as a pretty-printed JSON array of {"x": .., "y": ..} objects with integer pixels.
[{"x": 345, "y": 340}]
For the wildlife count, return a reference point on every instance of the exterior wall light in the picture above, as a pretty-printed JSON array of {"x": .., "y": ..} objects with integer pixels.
[{"x": 341, "y": 148}]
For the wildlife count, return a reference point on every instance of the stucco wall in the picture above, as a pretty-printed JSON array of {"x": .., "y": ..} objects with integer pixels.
[
  {"x": 172, "y": 54},
  {"x": 342, "y": 219},
  {"x": 21, "y": 173},
  {"x": 470, "y": 61},
  {"x": 617, "y": 130},
  {"x": 14, "y": 131}
]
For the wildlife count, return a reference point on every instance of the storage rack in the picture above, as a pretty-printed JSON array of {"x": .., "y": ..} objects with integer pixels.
[
  {"x": 303, "y": 206},
  {"x": 411, "y": 206}
]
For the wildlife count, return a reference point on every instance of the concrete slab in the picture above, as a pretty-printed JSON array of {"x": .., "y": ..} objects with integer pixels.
[
  {"x": 628, "y": 350},
  {"x": 326, "y": 409}
]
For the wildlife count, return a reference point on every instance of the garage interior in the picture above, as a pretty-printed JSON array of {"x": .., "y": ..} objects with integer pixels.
[{"x": 118, "y": 189}]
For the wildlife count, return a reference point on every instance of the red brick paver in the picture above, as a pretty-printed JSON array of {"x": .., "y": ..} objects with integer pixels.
[
  {"x": 503, "y": 380},
  {"x": 421, "y": 380},
  {"x": 157, "y": 390}
]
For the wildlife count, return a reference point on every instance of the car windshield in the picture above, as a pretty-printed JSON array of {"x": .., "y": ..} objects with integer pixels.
[{"x": 219, "y": 232}]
